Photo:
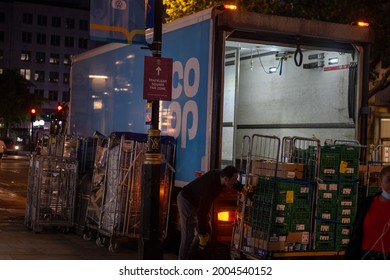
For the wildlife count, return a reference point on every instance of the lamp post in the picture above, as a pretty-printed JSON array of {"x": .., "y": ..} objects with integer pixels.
[{"x": 150, "y": 244}]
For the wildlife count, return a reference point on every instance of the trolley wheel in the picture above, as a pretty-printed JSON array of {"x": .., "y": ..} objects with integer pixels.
[
  {"x": 101, "y": 241},
  {"x": 87, "y": 236},
  {"x": 113, "y": 247}
]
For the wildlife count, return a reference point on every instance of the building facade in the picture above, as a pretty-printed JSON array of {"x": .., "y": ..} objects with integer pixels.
[{"x": 38, "y": 39}]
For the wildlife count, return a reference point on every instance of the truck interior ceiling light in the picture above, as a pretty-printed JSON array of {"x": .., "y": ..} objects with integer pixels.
[
  {"x": 272, "y": 69},
  {"x": 333, "y": 60}
]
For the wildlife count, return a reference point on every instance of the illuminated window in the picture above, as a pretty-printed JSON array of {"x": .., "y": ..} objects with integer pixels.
[
  {"x": 54, "y": 58},
  {"x": 25, "y": 73},
  {"x": 39, "y": 76},
  {"x": 67, "y": 59},
  {"x": 25, "y": 56}
]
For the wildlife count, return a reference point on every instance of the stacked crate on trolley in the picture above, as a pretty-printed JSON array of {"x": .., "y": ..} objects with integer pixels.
[
  {"x": 51, "y": 192},
  {"x": 256, "y": 223},
  {"x": 120, "y": 210},
  {"x": 296, "y": 186},
  {"x": 337, "y": 193}
]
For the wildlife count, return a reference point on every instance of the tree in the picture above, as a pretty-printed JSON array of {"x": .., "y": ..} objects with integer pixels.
[
  {"x": 15, "y": 99},
  {"x": 376, "y": 12},
  {"x": 179, "y": 8}
]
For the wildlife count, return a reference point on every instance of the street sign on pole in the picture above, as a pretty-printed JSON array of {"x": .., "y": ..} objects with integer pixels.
[{"x": 157, "y": 78}]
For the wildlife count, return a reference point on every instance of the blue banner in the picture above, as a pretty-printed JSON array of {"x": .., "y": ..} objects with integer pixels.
[{"x": 121, "y": 21}]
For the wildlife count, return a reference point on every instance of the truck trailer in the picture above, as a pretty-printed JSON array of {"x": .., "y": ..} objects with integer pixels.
[{"x": 235, "y": 74}]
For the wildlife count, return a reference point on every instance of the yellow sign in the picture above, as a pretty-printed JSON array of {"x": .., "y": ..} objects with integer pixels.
[
  {"x": 290, "y": 197},
  {"x": 343, "y": 166}
]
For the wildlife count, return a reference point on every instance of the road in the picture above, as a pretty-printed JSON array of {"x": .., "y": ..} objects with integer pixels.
[
  {"x": 14, "y": 173},
  {"x": 13, "y": 186},
  {"x": 17, "y": 242}
]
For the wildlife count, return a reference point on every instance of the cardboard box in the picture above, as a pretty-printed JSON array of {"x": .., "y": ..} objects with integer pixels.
[
  {"x": 284, "y": 170},
  {"x": 374, "y": 168},
  {"x": 276, "y": 246},
  {"x": 290, "y": 174},
  {"x": 291, "y": 166},
  {"x": 298, "y": 237}
]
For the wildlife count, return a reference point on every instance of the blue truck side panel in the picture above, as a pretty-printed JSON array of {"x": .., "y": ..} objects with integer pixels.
[
  {"x": 113, "y": 101},
  {"x": 189, "y": 48},
  {"x": 107, "y": 92}
]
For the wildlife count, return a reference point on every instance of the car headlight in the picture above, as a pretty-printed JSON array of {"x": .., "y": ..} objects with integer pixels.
[{"x": 16, "y": 147}]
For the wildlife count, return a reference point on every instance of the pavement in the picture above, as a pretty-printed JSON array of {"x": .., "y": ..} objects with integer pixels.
[{"x": 17, "y": 242}]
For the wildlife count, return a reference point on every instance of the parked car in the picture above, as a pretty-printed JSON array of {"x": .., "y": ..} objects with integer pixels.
[{"x": 10, "y": 147}]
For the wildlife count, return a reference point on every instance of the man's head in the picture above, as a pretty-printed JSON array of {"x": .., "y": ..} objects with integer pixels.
[
  {"x": 229, "y": 176},
  {"x": 384, "y": 177}
]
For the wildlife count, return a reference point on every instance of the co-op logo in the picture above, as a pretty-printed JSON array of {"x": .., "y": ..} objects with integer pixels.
[{"x": 188, "y": 76}]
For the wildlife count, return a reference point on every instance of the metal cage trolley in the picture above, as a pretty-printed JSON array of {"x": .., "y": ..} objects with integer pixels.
[
  {"x": 256, "y": 223},
  {"x": 51, "y": 194},
  {"x": 235, "y": 243},
  {"x": 95, "y": 194},
  {"x": 120, "y": 215}
]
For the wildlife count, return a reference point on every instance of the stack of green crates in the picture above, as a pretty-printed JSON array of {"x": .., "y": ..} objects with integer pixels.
[
  {"x": 325, "y": 223},
  {"x": 279, "y": 206},
  {"x": 350, "y": 158},
  {"x": 292, "y": 208},
  {"x": 330, "y": 162},
  {"x": 258, "y": 214},
  {"x": 336, "y": 196},
  {"x": 346, "y": 212}
]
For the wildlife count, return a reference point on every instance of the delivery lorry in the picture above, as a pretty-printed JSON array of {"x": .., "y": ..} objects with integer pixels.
[{"x": 234, "y": 74}]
